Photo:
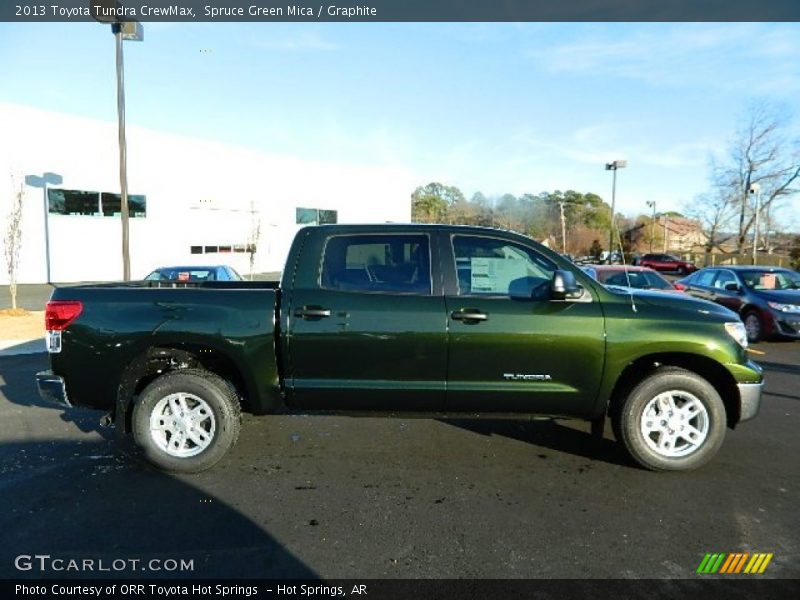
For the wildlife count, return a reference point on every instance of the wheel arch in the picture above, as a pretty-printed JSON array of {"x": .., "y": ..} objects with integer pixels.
[
  {"x": 156, "y": 360},
  {"x": 707, "y": 368}
]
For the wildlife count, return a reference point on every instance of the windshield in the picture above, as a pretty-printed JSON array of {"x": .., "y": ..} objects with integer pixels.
[
  {"x": 762, "y": 279},
  {"x": 636, "y": 279}
]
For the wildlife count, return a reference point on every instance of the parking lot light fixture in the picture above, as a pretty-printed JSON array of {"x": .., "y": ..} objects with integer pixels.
[
  {"x": 613, "y": 166},
  {"x": 652, "y": 204},
  {"x": 105, "y": 11}
]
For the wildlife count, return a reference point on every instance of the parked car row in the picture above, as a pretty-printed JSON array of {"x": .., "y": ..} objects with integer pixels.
[{"x": 766, "y": 298}]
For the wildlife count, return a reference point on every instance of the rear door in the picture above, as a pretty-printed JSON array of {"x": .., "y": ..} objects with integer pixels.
[
  {"x": 701, "y": 284},
  {"x": 366, "y": 325},
  {"x": 512, "y": 349},
  {"x": 732, "y": 299}
]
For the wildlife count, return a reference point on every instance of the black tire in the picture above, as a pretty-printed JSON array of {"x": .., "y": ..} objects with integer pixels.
[
  {"x": 754, "y": 326},
  {"x": 681, "y": 271},
  {"x": 193, "y": 441},
  {"x": 674, "y": 426}
]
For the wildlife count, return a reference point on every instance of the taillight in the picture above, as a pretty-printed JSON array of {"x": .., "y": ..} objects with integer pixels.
[
  {"x": 60, "y": 313},
  {"x": 680, "y": 287}
]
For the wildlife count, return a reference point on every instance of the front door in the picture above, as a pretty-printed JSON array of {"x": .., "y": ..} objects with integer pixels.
[{"x": 512, "y": 349}]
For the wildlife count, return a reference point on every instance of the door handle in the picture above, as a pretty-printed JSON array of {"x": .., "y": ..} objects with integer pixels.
[
  {"x": 312, "y": 312},
  {"x": 469, "y": 314}
]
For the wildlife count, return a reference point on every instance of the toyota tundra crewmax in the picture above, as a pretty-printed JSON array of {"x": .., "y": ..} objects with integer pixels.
[{"x": 401, "y": 320}]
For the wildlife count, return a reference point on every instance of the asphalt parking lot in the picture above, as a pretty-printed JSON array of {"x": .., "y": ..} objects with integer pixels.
[{"x": 338, "y": 497}]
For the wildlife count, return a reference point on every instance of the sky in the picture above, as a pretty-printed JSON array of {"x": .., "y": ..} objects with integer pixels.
[{"x": 490, "y": 107}]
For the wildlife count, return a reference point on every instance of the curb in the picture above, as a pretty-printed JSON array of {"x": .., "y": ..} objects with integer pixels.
[{"x": 16, "y": 347}]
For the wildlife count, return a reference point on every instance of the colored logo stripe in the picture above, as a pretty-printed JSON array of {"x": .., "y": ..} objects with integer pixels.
[
  {"x": 758, "y": 563},
  {"x": 711, "y": 563},
  {"x": 734, "y": 563}
]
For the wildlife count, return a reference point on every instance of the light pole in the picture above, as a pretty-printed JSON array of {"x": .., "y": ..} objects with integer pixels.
[
  {"x": 756, "y": 190},
  {"x": 122, "y": 30},
  {"x": 652, "y": 204},
  {"x": 613, "y": 166},
  {"x": 42, "y": 182},
  {"x": 563, "y": 229}
]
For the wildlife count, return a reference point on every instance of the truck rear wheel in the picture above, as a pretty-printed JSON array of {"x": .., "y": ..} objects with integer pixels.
[
  {"x": 185, "y": 421},
  {"x": 672, "y": 421}
]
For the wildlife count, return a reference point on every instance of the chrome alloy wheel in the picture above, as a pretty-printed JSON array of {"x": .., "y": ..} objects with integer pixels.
[
  {"x": 674, "y": 423},
  {"x": 182, "y": 425}
]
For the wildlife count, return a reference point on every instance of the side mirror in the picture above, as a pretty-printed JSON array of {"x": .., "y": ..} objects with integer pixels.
[
  {"x": 564, "y": 286},
  {"x": 732, "y": 287}
]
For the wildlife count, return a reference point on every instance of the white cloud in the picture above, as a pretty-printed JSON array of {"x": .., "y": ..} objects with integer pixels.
[{"x": 753, "y": 56}]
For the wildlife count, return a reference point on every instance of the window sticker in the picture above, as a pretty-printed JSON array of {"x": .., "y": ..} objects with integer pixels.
[{"x": 494, "y": 275}]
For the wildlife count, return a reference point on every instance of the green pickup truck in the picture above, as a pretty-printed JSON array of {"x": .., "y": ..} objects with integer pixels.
[{"x": 407, "y": 320}]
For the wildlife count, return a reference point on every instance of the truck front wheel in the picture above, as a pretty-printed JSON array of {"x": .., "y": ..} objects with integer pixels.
[
  {"x": 185, "y": 421},
  {"x": 672, "y": 421}
]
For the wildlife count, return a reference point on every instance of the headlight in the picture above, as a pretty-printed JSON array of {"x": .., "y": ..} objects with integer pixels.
[
  {"x": 791, "y": 308},
  {"x": 737, "y": 331}
]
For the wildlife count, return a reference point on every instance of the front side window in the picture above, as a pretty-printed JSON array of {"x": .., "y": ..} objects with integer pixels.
[
  {"x": 377, "y": 263},
  {"x": 493, "y": 267}
]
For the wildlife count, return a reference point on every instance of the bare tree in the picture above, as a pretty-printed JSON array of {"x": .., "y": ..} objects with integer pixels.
[
  {"x": 13, "y": 238},
  {"x": 716, "y": 212},
  {"x": 760, "y": 154}
]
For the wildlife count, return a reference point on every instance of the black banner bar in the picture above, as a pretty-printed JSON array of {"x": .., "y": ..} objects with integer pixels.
[
  {"x": 401, "y": 10},
  {"x": 733, "y": 587}
]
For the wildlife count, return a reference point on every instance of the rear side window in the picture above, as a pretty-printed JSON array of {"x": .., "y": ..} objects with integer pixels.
[
  {"x": 377, "y": 263},
  {"x": 494, "y": 267},
  {"x": 704, "y": 278}
]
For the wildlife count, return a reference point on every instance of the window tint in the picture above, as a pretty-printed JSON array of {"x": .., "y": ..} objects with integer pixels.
[
  {"x": 79, "y": 202},
  {"x": 492, "y": 267},
  {"x": 315, "y": 216},
  {"x": 704, "y": 278},
  {"x": 377, "y": 263}
]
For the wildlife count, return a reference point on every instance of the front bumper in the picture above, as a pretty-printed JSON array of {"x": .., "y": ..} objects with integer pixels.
[
  {"x": 750, "y": 395},
  {"x": 52, "y": 388}
]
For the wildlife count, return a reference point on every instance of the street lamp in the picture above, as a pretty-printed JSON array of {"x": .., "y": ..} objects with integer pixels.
[
  {"x": 122, "y": 30},
  {"x": 613, "y": 166},
  {"x": 755, "y": 189},
  {"x": 42, "y": 182},
  {"x": 652, "y": 204}
]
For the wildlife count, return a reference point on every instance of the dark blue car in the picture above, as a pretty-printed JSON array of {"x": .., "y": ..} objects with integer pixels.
[{"x": 766, "y": 298}]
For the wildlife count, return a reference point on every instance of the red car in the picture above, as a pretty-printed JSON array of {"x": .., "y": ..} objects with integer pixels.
[
  {"x": 667, "y": 262},
  {"x": 641, "y": 278}
]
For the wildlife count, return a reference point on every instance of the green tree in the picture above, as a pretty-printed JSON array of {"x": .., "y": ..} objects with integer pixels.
[{"x": 430, "y": 203}]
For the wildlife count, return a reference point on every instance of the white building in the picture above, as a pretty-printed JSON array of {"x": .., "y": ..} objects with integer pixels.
[{"x": 201, "y": 201}]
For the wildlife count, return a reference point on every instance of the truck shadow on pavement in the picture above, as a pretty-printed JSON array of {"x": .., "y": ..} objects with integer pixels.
[
  {"x": 18, "y": 386},
  {"x": 74, "y": 495},
  {"x": 551, "y": 434},
  {"x": 75, "y": 500}
]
